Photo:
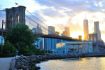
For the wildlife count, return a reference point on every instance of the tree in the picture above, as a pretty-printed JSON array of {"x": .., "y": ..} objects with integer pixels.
[
  {"x": 20, "y": 33},
  {"x": 21, "y": 37}
]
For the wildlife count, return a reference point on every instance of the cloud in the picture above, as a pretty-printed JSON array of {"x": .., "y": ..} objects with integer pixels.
[
  {"x": 57, "y": 12},
  {"x": 31, "y": 5},
  {"x": 76, "y": 5}
]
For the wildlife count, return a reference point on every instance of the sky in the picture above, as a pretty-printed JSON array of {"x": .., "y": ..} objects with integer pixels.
[{"x": 61, "y": 13}]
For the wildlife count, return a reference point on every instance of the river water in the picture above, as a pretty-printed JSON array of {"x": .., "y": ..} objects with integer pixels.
[{"x": 74, "y": 64}]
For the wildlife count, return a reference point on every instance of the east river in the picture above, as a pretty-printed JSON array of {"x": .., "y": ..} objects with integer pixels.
[{"x": 74, "y": 64}]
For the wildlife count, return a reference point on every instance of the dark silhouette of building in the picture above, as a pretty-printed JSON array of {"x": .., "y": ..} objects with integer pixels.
[{"x": 14, "y": 16}]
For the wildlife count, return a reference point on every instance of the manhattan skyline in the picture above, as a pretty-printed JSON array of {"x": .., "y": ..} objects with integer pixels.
[{"x": 61, "y": 13}]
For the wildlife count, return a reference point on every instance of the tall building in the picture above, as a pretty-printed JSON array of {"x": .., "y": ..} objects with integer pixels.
[
  {"x": 86, "y": 31},
  {"x": 37, "y": 30},
  {"x": 51, "y": 30},
  {"x": 66, "y": 32},
  {"x": 97, "y": 30},
  {"x": 14, "y": 16}
]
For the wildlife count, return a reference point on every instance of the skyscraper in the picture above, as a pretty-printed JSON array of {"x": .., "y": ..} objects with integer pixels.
[
  {"x": 86, "y": 31},
  {"x": 37, "y": 30},
  {"x": 51, "y": 30},
  {"x": 97, "y": 30}
]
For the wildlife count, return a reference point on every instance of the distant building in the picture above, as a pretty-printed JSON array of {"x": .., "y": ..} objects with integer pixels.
[
  {"x": 51, "y": 30},
  {"x": 93, "y": 37},
  {"x": 62, "y": 45},
  {"x": 80, "y": 37},
  {"x": 40, "y": 29},
  {"x": 74, "y": 48},
  {"x": 97, "y": 30},
  {"x": 14, "y": 16},
  {"x": 96, "y": 36},
  {"x": 37, "y": 30},
  {"x": 86, "y": 31},
  {"x": 49, "y": 42},
  {"x": 66, "y": 32},
  {"x": 44, "y": 28}
]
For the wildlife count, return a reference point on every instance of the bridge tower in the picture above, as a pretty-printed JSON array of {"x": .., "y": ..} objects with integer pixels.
[{"x": 15, "y": 15}]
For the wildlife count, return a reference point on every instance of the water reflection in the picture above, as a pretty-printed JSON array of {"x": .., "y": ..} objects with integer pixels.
[
  {"x": 69, "y": 64},
  {"x": 102, "y": 63}
]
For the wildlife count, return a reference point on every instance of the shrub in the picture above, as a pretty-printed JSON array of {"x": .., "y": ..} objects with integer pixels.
[{"x": 7, "y": 50}]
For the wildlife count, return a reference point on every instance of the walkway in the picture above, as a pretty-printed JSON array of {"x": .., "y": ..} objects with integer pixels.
[{"x": 5, "y": 63}]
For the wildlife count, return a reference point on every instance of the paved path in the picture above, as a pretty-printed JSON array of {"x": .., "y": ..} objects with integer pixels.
[{"x": 5, "y": 63}]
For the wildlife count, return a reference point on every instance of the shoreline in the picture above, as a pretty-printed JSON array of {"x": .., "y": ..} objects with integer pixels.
[
  {"x": 82, "y": 56},
  {"x": 29, "y": 62}
]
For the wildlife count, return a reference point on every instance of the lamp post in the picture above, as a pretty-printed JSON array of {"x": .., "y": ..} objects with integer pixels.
[{"x": 16, "y": 53}]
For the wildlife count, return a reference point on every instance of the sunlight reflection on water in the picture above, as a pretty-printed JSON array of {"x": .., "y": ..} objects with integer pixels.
[{"x": 74, "y": 64}]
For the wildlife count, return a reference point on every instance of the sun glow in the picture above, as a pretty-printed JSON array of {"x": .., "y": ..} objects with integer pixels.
[
  {"x": 77, "y": 34},
  {"x": 91, "y": 17}
]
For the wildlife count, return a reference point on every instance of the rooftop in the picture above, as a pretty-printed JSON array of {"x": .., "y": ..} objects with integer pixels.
[{"x": 57, "y": 37}]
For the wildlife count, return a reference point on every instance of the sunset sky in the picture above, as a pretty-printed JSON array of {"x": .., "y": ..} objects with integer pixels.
[{"x": 61, "y": 13}]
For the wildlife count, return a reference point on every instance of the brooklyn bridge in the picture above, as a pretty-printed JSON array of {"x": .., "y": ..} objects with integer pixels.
[{"x": 19, "y": 15}]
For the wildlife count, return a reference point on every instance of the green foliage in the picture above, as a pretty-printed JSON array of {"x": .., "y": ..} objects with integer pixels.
[
  {"x": 7, "y": 50},
  {"x": 39, "y": 52},
  {"x": 20, "y": 33},
  {"x": 22, "y": 38},
  {"x": 19, "y": 38}
]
